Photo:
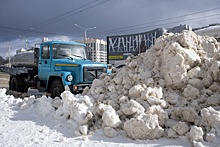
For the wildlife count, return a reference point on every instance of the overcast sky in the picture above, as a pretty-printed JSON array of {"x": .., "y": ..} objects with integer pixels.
[{"x": 55, "y": 19}]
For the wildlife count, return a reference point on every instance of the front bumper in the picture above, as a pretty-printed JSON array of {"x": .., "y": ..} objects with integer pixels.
[{"x": 78, "y": 87}]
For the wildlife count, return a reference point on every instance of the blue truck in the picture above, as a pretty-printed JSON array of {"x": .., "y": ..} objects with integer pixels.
[{"x": 53, "y": 65}]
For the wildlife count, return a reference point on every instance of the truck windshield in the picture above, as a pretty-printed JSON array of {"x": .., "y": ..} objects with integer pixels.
[{"x": 69, "y": 51}]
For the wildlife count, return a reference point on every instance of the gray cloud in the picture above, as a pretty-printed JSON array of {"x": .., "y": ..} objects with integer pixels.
[{"x": 109, "y": 17}]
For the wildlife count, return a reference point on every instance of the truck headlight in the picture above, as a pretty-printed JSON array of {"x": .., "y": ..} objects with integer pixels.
[{"x": 69, "y": 78}]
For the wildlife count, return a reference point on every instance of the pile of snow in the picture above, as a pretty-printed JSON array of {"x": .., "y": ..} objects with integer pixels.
[{"x": 172, "y": 90}]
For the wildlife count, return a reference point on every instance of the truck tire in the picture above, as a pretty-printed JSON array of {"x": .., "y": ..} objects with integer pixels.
[
  {"x": 13, "y": 84},
  {"x": 22, "y": 86},
  {"x": 56, "y": 88},
  {"x": 17, "y": 84}
]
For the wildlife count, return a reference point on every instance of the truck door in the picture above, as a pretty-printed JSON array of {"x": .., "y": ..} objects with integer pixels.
[{"x": 44, "y": 62}]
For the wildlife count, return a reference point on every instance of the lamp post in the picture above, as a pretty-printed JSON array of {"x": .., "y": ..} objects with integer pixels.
[
  {"x": 9, "y": 54},
  {"x": 84, "y": 31}
]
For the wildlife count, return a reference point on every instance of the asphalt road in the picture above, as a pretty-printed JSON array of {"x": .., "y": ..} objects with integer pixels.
[{"x": 4, "y": 78}]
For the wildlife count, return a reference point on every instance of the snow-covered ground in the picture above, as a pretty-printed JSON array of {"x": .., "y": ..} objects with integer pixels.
[
  {"x": 30, "y": 126},
  {"x": 167, "y": 96}
]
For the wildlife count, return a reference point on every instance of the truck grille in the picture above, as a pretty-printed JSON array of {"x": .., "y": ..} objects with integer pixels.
[{"x": 91, "y": 73}]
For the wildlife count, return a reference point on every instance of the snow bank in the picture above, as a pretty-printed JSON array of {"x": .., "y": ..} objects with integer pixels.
[{"x": 172, "y": 90}]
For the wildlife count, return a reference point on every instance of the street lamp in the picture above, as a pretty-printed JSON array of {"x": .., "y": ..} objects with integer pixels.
[
  {"x": 85, "y": 31},
  {"x": 9, "y": 54}
]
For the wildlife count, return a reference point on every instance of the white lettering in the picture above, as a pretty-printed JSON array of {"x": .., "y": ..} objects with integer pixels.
[{"x": 131, "y": 43}]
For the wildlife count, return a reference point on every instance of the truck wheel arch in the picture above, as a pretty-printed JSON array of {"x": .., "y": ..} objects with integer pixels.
[{"x": 50, "y": 81}]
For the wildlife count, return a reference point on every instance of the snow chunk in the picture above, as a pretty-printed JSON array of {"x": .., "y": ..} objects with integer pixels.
[
  {"x": 76, "y": 107},
  {"x": 110, "y": 117},
  {"x": 83, "y": 129},
  {"x": 196, "y": 134},
  {"x": 2, "y": 93},
  {"x": 145, "y": 126},
  {"x": 210, "y": 137},
  {"x": 162, "y": 115},
  {"x": 181, "y": 128},
  {"x": 132, "y": 107},
  {"x": 135, "y": 91},
  {"x": 152, "y": 92},
  {"x": 210, "y": 118},
  {"x": 110, "y": 132},
  {"x": 189, "y": 114},
  {"x": 172, "y": 98},
  {"x": 197, "y": 144},
  {"x": 191, "y": 92},
  {"x": 45, "y": 106},
  {"x": 28, "y": 102}
]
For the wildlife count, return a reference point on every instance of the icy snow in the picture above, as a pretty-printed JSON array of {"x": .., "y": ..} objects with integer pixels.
[
  {"x": 167, "y": 96},
  {"x": 32, "y": 127}
]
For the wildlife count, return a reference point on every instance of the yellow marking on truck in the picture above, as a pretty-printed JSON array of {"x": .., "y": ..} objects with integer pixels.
[
  {"x": 115, "y": 57},
  {"x": 66, "y": 65}
]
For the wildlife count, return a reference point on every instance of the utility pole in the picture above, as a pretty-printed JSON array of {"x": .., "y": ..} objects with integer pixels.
[
  {"x": 9, "y": 54},
  {"x": 26, "y": 41}
]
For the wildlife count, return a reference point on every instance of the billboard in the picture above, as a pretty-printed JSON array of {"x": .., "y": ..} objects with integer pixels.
[{"x": 117, "y": 46}]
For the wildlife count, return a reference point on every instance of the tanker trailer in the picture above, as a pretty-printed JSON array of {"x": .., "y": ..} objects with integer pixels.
[
  {"x": 23, "y": 70},
  {"x": 24, "y": 58},
  {"x": 53, "y": 66}
]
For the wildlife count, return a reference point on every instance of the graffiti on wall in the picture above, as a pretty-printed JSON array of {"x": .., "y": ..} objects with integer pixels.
[{"x": 134, "y": 43}]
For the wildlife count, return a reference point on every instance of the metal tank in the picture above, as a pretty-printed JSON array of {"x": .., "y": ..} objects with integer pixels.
[{"x": 24, "y": 58}]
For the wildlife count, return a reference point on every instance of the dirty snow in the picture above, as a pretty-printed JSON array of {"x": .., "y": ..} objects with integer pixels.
[
  {"x": 32, "y": 122},
  {"x": 167, "y": 96}
]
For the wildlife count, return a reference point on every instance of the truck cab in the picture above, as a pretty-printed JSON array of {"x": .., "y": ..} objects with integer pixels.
[{"x": 63, "y": 64}]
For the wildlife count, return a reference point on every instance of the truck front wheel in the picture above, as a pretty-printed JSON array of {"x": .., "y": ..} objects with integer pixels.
[{"x": 56, "y": 88}]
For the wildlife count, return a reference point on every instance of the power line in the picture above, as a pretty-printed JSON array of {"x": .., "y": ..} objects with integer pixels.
[
  {"x": 46, "y": 24},
  {"x": 198, "y": 12},
  {"x": 64, "y": 14},
  {"x": 39, "y": 32},
  {"x": 192, "y": 19},
  {"x": 151, "y": 26}
]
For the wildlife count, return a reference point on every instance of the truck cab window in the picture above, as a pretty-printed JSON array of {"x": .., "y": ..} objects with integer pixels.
[
  {"x": 46, "y": 52},
  {"x": 61, "y": 51}
]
